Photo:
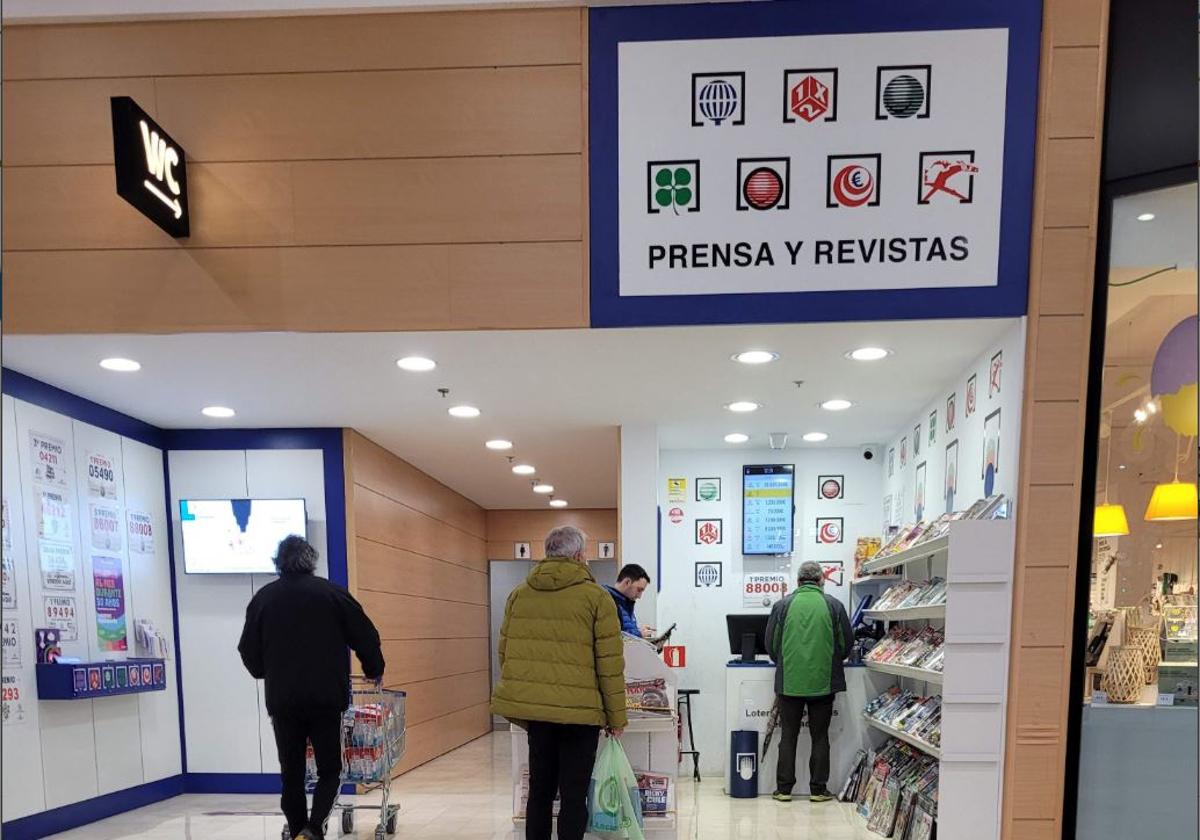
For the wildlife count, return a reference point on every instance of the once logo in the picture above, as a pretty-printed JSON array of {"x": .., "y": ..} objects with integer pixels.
[{"x": 853, "y": 181}]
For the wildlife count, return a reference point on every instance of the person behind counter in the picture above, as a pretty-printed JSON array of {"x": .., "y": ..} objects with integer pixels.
[
  {"x": 808, "y": 638},
  {"x": 562, "y": 678},
  {"x": 631, "y": 583}
]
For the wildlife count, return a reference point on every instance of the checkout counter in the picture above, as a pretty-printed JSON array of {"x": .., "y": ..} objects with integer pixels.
[{"x": 750, "y": 693}]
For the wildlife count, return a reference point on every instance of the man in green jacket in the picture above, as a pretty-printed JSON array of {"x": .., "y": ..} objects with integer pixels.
[
  {"x": 562, "y": 677},
  {"x": 808, "y": 637}
]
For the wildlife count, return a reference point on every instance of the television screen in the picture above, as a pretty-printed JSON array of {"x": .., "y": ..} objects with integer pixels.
[
  {"x": 237, "y": 536},
  {"x": 768, "y": 505}
]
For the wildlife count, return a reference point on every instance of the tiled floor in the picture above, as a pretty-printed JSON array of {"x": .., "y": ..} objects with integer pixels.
[{"x": 468, "y": 794}]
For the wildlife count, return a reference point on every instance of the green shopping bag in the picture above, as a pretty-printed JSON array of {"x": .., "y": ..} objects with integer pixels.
[{"x": 614, "y": 804}]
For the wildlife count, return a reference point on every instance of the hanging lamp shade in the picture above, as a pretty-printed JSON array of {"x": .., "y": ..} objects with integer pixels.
[
  {"x": 1110, "y": 521},
  {"x": 1172, "y": 502}
]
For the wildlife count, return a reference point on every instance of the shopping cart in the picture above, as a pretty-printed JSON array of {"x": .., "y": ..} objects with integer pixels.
[{"x": 373, "y": 743}]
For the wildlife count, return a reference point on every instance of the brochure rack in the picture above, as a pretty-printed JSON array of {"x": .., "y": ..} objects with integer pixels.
[{"x": 89, "y": 680}]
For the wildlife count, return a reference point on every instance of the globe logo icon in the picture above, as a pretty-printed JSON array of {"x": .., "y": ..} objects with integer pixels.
[
  {"x": 718, "y": 101},
  {"x": 903, "y": 96}
]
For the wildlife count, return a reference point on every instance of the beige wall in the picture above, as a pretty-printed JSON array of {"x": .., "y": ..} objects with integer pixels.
[
  {"x": 363, "y": 172},
  {"x": 506, "y": 527},
  {"x": 418, "y": 564}
]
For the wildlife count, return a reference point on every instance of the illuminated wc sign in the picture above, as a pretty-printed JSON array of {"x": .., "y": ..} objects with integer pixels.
[{"x": 151, "y": 167}]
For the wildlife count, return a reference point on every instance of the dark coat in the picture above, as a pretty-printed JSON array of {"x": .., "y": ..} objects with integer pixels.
[{"x": 297, "y": 630}]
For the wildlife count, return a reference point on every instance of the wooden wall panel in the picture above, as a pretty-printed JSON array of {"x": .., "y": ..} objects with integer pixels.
[
  {"x": 432, "y": 163},
  {"x": 331, "y": 43},
  {"x": 1048, "y": 507},
  {"x": 423, "y": 581},
  {"x": 505, "y": 527}
]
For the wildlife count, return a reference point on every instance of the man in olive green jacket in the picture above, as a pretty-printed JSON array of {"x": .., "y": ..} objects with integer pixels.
[{"x": 562, "y": 677}]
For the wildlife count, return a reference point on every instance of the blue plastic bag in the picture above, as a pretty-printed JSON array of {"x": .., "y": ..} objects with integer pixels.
[{"x": 614, "y": 804}]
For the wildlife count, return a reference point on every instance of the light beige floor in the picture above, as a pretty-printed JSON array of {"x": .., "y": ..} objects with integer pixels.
[{"x": 468, "y": 794}]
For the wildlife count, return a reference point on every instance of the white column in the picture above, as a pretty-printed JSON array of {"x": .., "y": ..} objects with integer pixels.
[{"x": 637, "y": 509}]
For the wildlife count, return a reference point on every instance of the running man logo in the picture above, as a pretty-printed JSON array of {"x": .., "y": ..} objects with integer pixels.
[
  {"x": 947, "y": 177},
  {"x": 151, "y": 167}
]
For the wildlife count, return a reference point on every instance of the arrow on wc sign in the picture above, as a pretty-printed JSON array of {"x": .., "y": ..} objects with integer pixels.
[{"x": 173, "y": 203}]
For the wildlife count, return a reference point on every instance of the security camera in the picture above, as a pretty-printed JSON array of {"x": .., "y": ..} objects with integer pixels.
[{"x": 870, "y": 452}]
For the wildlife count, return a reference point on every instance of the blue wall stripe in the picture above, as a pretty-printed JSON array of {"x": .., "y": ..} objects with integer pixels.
[
  {"x": 91, "y": 810},
  {"x": 34, "y": 391}
]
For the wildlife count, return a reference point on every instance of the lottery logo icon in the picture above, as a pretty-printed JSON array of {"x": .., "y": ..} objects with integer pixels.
[
  {"x": 718, "y": 99},
  {"x": 810, "y": 95},
  {"x": 947, "y": 177},
  {"x": 764, "y": 183},
  {"x": 853, "y": 181},
  {"x": 708, "y": 532},
  {"x": 675, "y": 515},
  {"x": 708, "y": 574},
  {"x": 903, "y": 91},
  {"x": 830, "y": 487},
  {"x": 829, "y": 531},
  {"x": 672, "y": 185}
]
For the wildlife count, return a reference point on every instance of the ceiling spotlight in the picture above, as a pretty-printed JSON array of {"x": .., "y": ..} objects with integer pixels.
[
  {"x": 120, "y": 365},
  {"x": 1158, "y": 545},
  {"x": 1140, "y": 415},
  {"x": 1145, "y": 217},
  {"x": 815, "y": 437},
  {"x": 543, "y": 488},
  {"x": 1122, "y": 467},
  {"x": 736, "y": 437},
  {"x": 218, "y": 411},
  {"x": 499, "y": 445},
  {"x": 416, "y": 364},
  {"x": 1152, "y": 407},
  {"x": 743, "y": 406},
  {"x": 524, "y": 469},
  {"x": 868, "y": 354},
  {"x": 755, "y": 357},
  {"x": 466, "y": 411},
  {"x": 836, "y": 405},
  {"x": 558, "y": 503}
]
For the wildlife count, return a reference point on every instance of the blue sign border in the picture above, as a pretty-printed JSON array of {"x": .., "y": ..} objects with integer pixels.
[{"x": 607, "y": 27}]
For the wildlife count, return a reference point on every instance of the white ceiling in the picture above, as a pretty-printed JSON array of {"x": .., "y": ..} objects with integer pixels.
[{"x": 559, "y": 395}]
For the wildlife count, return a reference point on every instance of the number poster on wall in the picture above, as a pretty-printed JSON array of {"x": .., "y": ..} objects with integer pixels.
[
  {"x": 106, "y": 527},
  {"x": 762, "y": 589},
  {"x": 54, "y": 514},
  {"x": 57, "y": 562},
  {"x": 13, "y": 709},
  {"x": 12, "y": 642},
  {"x": 743, "y": 151},
  {"x": 9, "y": 601},
  {"x": 61, "y": 615},
  {"x": 102, "y": 476},
  {"x": 49, "y": 459},
  {"x": 141, "y": 532}
]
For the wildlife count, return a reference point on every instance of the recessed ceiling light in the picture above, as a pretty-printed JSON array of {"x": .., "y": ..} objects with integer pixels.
[
  {"x": 736, "y": 437},
  {"x": 543, "y": 488},
  {"x": 755, "y": 357},
  {"x": 815, "y": 437},
  {"x": 743, "y": 406},
  {"x": 1145, "y": 217},
  {"x": 464, "y": 411},
  {"x": 499, "y": 444},
  {"x": 558, "y": 503},
  {"x": 524, "y": 469},
  {"x": 836, "y": 405},
  {"x": 120, "y": 365},
  {"x": 416, "y": 364},
  {"x": 1158, "y": 545},
  {"x": 868, "y": 354},
  {"x": 1122, "y": 467},
  {"x": 218, "y": 411}
]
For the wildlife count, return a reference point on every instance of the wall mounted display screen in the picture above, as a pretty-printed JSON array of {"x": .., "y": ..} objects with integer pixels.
[
  {"x": 237, "y": 536},
  {"x": 768, "y": 508}
]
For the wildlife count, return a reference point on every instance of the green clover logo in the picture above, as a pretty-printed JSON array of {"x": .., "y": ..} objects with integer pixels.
[{"x": 673, "y": 188}]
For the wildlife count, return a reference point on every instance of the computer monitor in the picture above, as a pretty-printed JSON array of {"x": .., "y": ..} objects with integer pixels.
[{"x": 747, "y": 635}]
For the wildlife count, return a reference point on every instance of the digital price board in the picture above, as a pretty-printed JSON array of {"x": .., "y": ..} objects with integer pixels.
[{"x": 768, "y": 508}]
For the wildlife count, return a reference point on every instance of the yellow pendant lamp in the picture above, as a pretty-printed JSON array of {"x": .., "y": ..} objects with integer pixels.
[
  {"x": 1174, "y": 501},
  {"x": 1109, "y": 519}
]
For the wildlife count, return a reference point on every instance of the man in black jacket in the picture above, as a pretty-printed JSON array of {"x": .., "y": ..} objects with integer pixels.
[{"x": 297, "y": 631}]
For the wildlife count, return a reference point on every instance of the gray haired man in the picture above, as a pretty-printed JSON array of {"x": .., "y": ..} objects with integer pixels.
[{"x": 808, "y": 637}]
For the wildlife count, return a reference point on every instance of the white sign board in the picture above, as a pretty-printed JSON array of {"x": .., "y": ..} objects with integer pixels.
[
  {"x": 521, "y": 551},
  {"x": 106, "y": 527},
  {"x": 763, "y": 589},
  {"x": 57, "y": 562},
  {"x": 811, "y": 162},
  {"x": 102, "y": 476},
  {"x": 61, "y": 614},
  {"x": 141, "y": 531}
]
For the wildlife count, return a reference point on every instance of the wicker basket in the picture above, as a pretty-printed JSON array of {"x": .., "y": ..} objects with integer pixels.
[
  {"x": 1147, "y": 639},
  {"x": 1126, "y": 674}
]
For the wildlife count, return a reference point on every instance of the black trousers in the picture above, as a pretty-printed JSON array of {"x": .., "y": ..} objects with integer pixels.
[
  {"x": 292, "y": 734},
  {"x": 791, "y": 717},
  {"x": 561, "y": 757}
]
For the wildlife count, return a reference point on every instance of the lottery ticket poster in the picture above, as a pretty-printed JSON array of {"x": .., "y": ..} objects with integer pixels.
[
  {"x": 102, "y": 476},
  {"x": 62, "y": 615},
  {"x": 53, "y": 513},
  {"x": 5, "y": 526},
  {"x": 49, "y": 459},
  {"x": 13, "y": 710},
  {"x": 57, "y": 562},
  {"x": 106, "y": 527},
  {"x": 9, "y": 601},
  {"x": 108, "y": 580},
  {"x": 11, "y": 641},
  {"x": 140, "y": 529}
]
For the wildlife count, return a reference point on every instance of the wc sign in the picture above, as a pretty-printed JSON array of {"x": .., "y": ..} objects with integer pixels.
[{"x": 151, "y": 167}]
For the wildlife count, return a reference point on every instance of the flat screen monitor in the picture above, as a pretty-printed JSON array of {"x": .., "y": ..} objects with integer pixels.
[
  {"x": 768, "y": 508},
  {"x": 748, "y": 624},
  {"x": 237, "y": 536}
]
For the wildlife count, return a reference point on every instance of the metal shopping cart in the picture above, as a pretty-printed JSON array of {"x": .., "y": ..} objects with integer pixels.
[{"x": 373, "y": 731}]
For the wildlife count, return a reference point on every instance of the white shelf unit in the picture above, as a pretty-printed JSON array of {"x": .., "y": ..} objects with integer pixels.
[
  {"x": 976, "y": 558},
  {"x": 867, "y": 580},
  {"x": 650, "y": 742},
  {"x": 931, "y": 550},
  {"x": 927, "y": 748},
  {"x": 919, "y": 674}
]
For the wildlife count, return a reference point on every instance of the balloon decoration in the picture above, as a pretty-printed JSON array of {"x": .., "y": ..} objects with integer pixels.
[{"x": 1174, "y": 374}]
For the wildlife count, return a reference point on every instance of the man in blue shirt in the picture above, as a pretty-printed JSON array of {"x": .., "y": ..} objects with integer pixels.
[{"x": 631, "y": 583}]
